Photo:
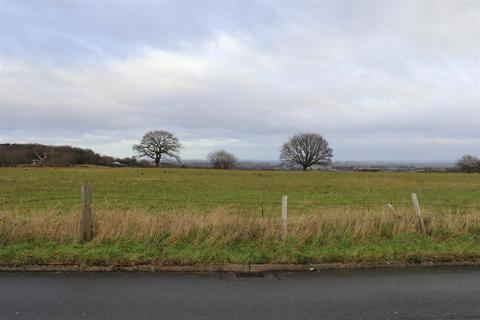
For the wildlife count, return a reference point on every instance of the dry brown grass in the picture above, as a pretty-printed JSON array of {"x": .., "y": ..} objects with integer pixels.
[{"x": 221, "y": 226}]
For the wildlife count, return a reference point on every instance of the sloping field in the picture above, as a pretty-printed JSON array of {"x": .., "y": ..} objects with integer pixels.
[{"x": 36, "y": 189}]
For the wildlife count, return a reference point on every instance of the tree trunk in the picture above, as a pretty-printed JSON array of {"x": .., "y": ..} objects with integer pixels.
[
  {"x": 305, "y": 168},
  {"x": 157, "y": 160}
]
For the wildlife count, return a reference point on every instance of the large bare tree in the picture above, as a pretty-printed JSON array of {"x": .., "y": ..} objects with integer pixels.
[
  {"x": 156, "y": 144},
  {"x": 222, "y": 159},
  {"x": 306, "y": 150}
]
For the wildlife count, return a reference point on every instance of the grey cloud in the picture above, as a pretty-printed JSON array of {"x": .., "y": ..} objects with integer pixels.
[{"x": 378, "y": 80}]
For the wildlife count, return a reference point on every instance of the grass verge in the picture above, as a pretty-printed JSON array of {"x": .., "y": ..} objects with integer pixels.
[
  {"x": 405, "y": 248},
  {"x": 218, "y": 237}
]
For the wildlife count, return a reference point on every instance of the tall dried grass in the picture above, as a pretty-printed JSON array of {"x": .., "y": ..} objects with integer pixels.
[{"x": 220, "y": 226}]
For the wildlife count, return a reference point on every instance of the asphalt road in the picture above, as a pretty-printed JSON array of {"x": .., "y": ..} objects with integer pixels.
[{"x": 374, "y": 294}]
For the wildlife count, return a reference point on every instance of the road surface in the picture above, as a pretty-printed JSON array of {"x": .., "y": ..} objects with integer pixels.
[{"x": 372, "y": 294}]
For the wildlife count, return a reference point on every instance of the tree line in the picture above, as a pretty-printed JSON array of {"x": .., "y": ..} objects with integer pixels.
[
  {"x": 16, "y": 154},
  {"x": 303, "y": 149}
]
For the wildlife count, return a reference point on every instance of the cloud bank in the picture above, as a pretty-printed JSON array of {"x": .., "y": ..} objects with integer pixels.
[{"x": 396, "y": 81}]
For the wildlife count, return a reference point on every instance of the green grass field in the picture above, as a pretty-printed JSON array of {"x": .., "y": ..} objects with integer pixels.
[
  {"x": 187, "y": 216},
  {"x": 34, "y": 189}
]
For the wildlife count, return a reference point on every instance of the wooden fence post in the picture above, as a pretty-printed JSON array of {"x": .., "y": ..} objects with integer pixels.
[
  {"x": 394, "y": 212},
  {"x": 86, "y": 214},
  {"x": 418, "y": 212},
  {"x": 284, "y": 215}
]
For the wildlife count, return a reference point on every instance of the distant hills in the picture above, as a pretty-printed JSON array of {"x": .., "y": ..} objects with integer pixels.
[
  {"x": 339, "y": 165},
  {"x": 15, "y": 154}
]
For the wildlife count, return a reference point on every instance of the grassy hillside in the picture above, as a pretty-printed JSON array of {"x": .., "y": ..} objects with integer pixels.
[{"x": 185, "y": 216}]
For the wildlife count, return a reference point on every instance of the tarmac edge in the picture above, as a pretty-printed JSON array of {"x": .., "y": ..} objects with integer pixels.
[{"x": 210, "y": 268}]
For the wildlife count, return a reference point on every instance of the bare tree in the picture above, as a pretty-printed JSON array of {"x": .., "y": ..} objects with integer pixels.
[
  {"x": 306, "y": 150},
  {"x": 222, "y": 159},
  {"x": 156, "y": 144},
  {"x": 468, "y": 163}
]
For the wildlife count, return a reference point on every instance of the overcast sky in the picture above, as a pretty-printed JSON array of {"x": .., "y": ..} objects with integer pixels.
[{"x": 379, "y": 80}]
